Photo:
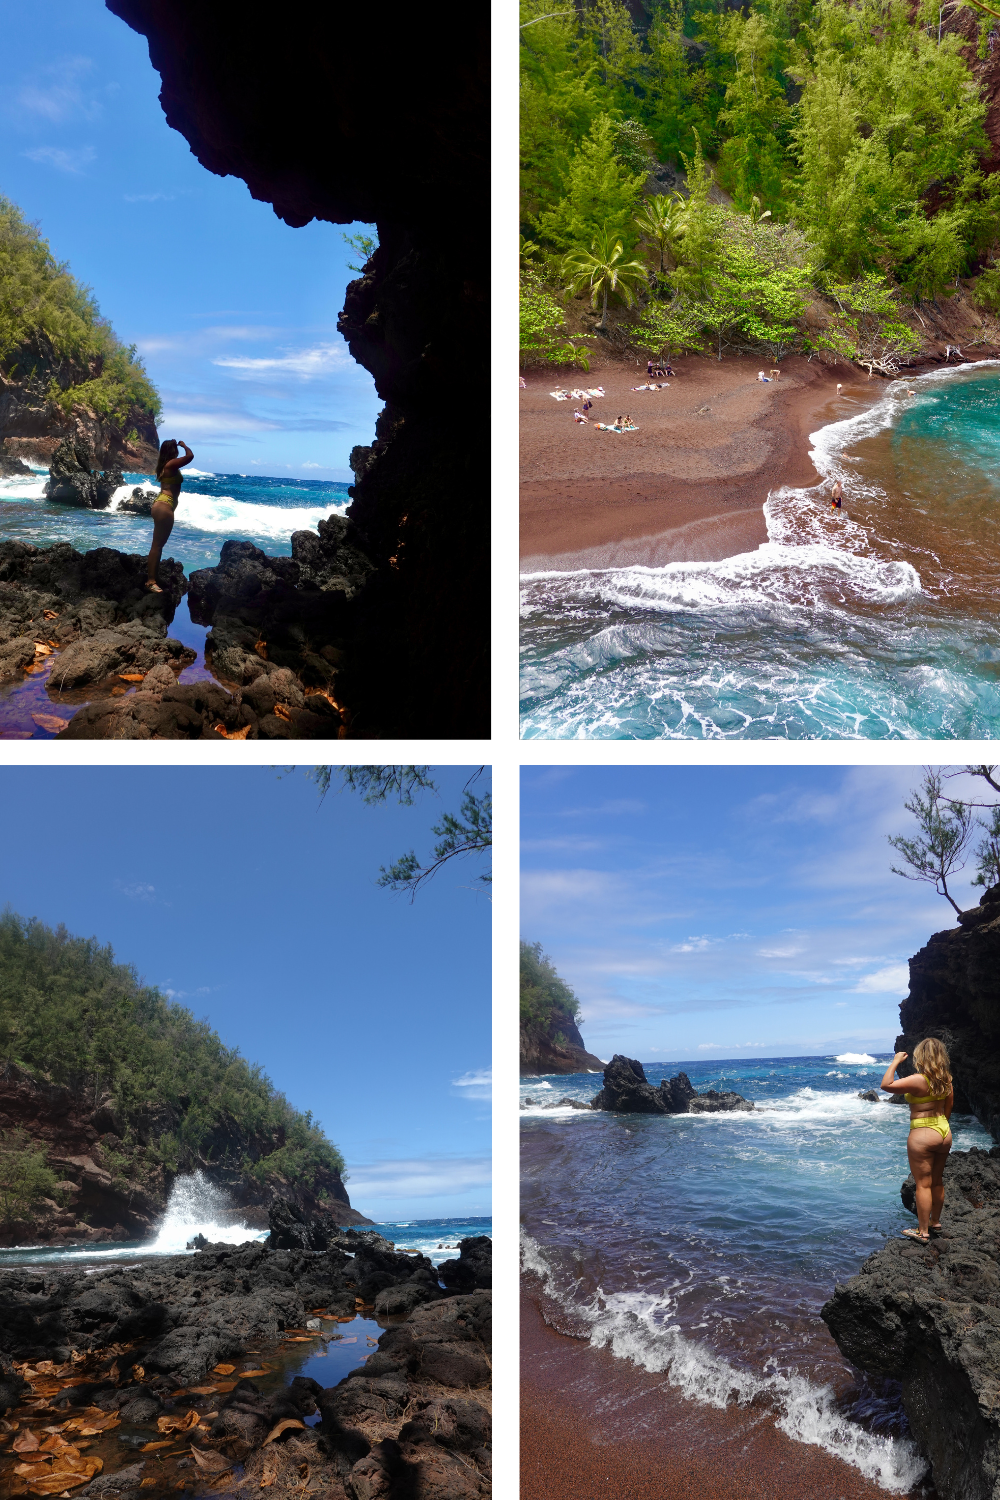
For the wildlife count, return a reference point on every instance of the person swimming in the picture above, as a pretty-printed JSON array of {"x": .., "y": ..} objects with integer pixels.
[
  {"x": 931, "y": 1097},
  {"x": 168, "y": 467}
]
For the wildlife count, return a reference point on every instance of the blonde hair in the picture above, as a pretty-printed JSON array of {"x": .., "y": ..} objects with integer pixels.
[{"x": 931, "y": 1058}]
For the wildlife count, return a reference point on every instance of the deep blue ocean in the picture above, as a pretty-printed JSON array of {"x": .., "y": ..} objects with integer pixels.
[
  {"x": 702, "y": 1247},
  {"x": 213, "y": 508},
  {"x": 879, "y": 623}
]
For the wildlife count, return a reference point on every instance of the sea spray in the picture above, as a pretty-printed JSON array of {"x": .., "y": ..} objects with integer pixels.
[{"x": 196, "y": 1206}]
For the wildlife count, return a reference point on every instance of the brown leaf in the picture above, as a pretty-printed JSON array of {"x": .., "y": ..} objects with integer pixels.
[
  {"x": 132, "y": 676},
  {"x": 281, "y": 1427},
  {"x": 261, "y": 648},
  {"x": 282, "y": 711},
  {"x": 215, "y": 1463},
  {"x": 201, "y": 1390},
  {"x": 178, "y": 1424},
  {"x": 26, "y": 1442},
  {"x": 225, "y": 1386},
  {"x": 35, "y": 667},
  {"x": 223, "y": 1369},
  {"x": 42, "y": 650},
  {"x": 50, "y": 614},
  {"x": 237, "y": 734},
  {"x": 252, "y": 1374},
  {"x": 29, "y": 1468},
  {"x": 148, "y": 1484},
  {"x": 58, "y": 1444},
  {"x": 163, "y": 1443}
]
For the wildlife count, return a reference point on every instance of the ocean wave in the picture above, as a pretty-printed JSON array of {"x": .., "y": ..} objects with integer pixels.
[
  {"x": 636, "y": 1326},
  {"x": 855, "y": 1057},
  {"x": 225, "y": 514}
]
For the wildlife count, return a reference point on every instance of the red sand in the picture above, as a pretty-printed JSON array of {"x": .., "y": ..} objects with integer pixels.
[
  {"x": 690, "y": 484},
  {"x": 594, "y": 1427}
]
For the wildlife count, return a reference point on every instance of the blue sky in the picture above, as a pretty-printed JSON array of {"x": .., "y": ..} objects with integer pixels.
[
  {"x": 724, "y": 912},
  {"x": 234, "y": 312},
  {"x": 256, "y": 907}
]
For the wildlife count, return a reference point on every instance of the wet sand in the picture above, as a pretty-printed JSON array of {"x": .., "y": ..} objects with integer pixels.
[
  {"x": 691, "y": 483},
  {"x": 594, "y": 1427}
]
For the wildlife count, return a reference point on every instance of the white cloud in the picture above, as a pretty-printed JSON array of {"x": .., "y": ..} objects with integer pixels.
[
  {"x": 693, "y": 945},
  {"x": 419, "y": 1178},
  {"x": 149, "y": 197},
  {"x": 136, "y": 891},
  {"x": 306, "y": 363},
  {"x": 475, "y": 1085},
  {"x": 894, "y": 980},
  {"x": 778, "y": 952},
  {"x": 64, "y": 161}
]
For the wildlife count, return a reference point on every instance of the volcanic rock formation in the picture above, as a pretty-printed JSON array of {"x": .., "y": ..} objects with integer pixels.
[
  {"x": 104, "y": 1198},
  {"x": 626, "y": 1092},
  {"x": 74, "y": 478},
  {"x": 559, "y": 1051},
  {"x": 288, "y": 106},
  {"x": 929, "y": 1317}
]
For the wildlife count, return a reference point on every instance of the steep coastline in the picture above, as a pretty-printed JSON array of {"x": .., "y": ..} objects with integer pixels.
[
  {"x": 560, "y": 1049},
  {"x": 929, "y": 1315}
]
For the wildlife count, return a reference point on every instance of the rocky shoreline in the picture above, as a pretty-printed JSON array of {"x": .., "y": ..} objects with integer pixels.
[
  {"x": 151, "y": 1349},
  {"x": 929, "y": 1315},
  {"x": 627, "y": 1092}
]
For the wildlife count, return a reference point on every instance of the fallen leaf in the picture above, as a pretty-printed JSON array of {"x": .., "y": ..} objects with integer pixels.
[
  {"x": 253, "y": 1374},
  {"x": 36, "y": 667},
  {"x": 300, "y": 1339},
  {"x": 212, "y": 1461},
  {"x": 225, "y": 1386},
  {"x": 26, "y": 1442},
  {"x": 237, "y": 734},
  {"x": 280, "y": 1427},
  {"x": 201, "y": 1390},
  {"x": 261, "y": 648},
  {"x": 34, "y": 1458},
  {"x": 282, "y": 711},
  {"x": 58, "y": 1444},
  {"x": 132, "y": 677},
  {"x": 163, "y": 1443},
  {"x": 223, "y": 1369},
  {"x": 52, "y": 722},
  {"x": 50, "y": 614},
  {"x": 27, "y": 1468},
  {"x": 148, "y": 1484},
  {"x": 116, "y": 692},
  {"x": 178, "y": 1424},
  {"x": 42, "y": 650}
]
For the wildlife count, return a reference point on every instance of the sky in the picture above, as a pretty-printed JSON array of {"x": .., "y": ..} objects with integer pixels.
[
  {"x": 240, "y": 894},
  {"x": 234, "y": 312},
  {"x": 728, "y": 912}
]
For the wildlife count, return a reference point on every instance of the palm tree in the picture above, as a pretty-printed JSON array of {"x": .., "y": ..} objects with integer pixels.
[
  {"x": 660, "y": 221},
  {"x": 604, "y": 269}
]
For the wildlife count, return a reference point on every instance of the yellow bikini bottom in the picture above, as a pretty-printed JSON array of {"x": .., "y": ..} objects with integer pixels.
[
  {"x": 932, "y": 1122},
  {"x": 166, "y": 498}
]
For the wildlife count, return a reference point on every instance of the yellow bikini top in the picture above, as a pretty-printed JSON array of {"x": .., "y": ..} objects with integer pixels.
[{"x": 925, "y": 1098}]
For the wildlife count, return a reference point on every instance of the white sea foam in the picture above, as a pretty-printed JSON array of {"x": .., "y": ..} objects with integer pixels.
[
  {"x": 637, "y": 1327},
  {"x": 855, "y": 1057}
]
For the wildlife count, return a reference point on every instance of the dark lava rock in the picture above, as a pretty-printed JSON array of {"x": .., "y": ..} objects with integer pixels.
[
  {"x": 11, "y": 1386},
  {"x": 293, "y": 1229},
  {"x": 10, "y": 468},
  {"x": 626, "y": 1092},
  {"x": 871, "y": 1095},
  {"x": 563, "y": 1104},
  {"x": 955, "y": 996},
  {"x": 929, "y": 1317},
  {"x": 74, "y": 480},
  {"x": 474, "y": 1267},
  {"x": 139, "y": 503},
  {"x": 124, "y": 1482},
  {"x": 454, "y": 1422},
  {"x": 269, "y": 613},
  {"x": 92, "y": 607}
]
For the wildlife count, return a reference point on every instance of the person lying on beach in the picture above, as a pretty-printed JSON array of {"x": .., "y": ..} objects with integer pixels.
[
  {"x": 168, "y": 472},
  {"x": 560, "y": 395},
  {"x": 931, "y": 1098},
  {"x": 606, "y": 427},
  {"x": 837, "y": 498},
  {"x": 761, "y": 376}
]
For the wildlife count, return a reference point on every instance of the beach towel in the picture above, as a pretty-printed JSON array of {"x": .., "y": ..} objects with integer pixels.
[
  {"x": 604, "y": 427},
  {"x": 560, "y": 395},
  {"x": 595, "y": 390}
]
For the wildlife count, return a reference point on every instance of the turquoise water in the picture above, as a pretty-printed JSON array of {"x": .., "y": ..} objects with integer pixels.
[
  {"x": 704, "y": 1246},
  {"x": 876, "y": 624},
  {"x": 214, "y": 508}
]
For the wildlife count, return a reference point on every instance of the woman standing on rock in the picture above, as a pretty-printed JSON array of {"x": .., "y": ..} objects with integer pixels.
[
  {"x": 931, "y": 1098},
  {"x": 168, "y": 472}
]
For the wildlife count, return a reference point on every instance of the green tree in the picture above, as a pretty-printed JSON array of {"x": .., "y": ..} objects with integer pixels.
[
  {"x": 659, "y": 221},
  {"x": 469, "y": 832},
  {"x": 363, "y": 245},
  {"x": 670, "y": 328},
  {"x": 601, "y": 194},
  {"x": 542, "y": 327},
  {"x": 24, "y": 1175},
  {"x": 944, "y": 828},
  {"x": 606, "y": 272},
  {"x": 754, "y": 159},
  {"x": 545, "y": 999}
]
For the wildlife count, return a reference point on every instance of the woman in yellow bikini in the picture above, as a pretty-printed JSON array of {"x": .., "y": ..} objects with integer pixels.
[
  {"x": 931, "y": 1098},
  {"x": 168, "y": 472}
]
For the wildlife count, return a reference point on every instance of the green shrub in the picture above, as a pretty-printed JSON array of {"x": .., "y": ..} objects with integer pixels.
[{"x": 24, "y": 1175}]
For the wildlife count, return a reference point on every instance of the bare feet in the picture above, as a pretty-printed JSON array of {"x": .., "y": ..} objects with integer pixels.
[{"x": 152, "y": 586}]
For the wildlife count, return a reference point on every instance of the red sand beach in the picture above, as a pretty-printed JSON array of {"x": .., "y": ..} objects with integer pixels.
[
  {"x": 594, "y": 1427},
  {"x": 690, "y": 484}
]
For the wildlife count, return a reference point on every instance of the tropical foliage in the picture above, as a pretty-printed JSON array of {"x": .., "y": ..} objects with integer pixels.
[
  {"x": 813, "y": 149},
  {"x": 24, "y": 1175},
  {"x": 546, "y": 1000},
  {"x": 52, "y": 331},
  {"x": 71, "y": 1015}
]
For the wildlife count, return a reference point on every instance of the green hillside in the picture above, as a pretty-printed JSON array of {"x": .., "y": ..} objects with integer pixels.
[
  {"x": 71, "y": 1015},
  {"x": 847, "y": 140},
  {"x": 52, "y": 334}
]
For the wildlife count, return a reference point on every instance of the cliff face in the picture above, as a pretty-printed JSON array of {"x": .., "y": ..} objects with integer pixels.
[
  {"x": 113, "y": 1189},
  {"x": 32, "y": 425},
  {"x": 289, "y": 105},
  {"x": 541, "y": 1053},
  {"x": 955, "y": 996}
]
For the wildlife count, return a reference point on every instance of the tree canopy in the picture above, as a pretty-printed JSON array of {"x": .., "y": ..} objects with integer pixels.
[
  {"x": 52, "y": 331},
  {"x": 945, "y": 829},
  {"x": 546, "y": 999},
  {"x": 71, "y": 1014}
]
